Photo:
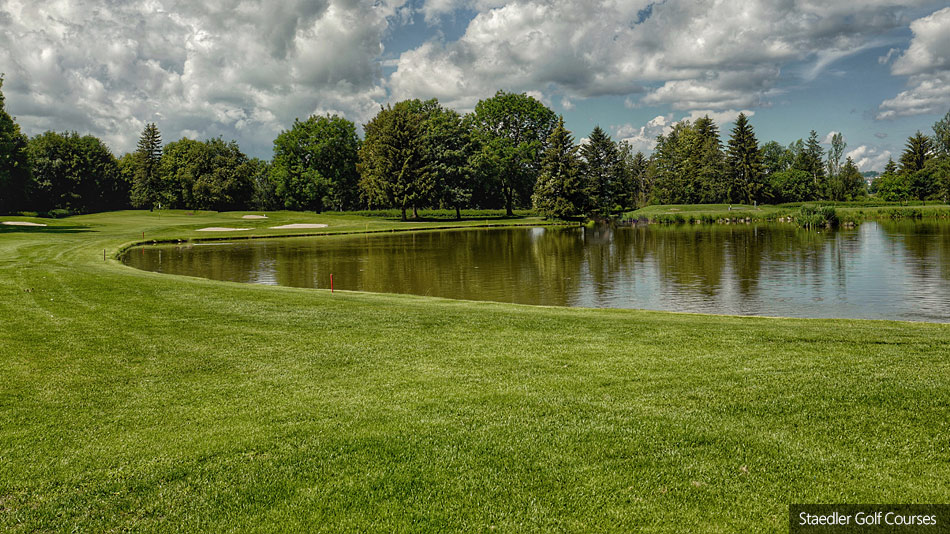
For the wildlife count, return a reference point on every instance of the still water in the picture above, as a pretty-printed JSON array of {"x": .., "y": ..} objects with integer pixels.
[{"x": 897, "y": 270}]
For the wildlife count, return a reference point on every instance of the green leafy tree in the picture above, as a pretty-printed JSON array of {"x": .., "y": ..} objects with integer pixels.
[
  {"x": 745, "y": 163},
  {"x": 602, "y": 171},
  {"x": 392, "y": 160},
  {"x": 941, "y": 161},
  {"x": 264, "y": 196},
  {"x": 792, "y": 185},
  {"x": 775, "y": 158},
  {"x": 147, "y": 188},
  {"x": 314, "y": 165},
  {"x": 560, "y": 191},
  {"x": 74, "y": 173},
  {"x": 512, "y": 131},
  {"x": 14, "y": 161},
  {"x": 836, "y": 189},
  {"x": 449, "y": 148},
  {"x": 851, "y": 181}
]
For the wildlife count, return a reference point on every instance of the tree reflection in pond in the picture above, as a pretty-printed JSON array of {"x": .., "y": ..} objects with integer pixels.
[{"x": 895, "y": 270}]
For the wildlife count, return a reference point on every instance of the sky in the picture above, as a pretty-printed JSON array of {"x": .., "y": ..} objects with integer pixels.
[{"x": 875, "y": 70}]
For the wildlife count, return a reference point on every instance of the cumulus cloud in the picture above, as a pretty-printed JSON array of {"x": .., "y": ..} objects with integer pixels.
[
  {"x": 687, "y": 55},
  {"x": 927, "y": 63},
  {"x": 237, "y": 68},
  {"x": 869, "y": 158}
]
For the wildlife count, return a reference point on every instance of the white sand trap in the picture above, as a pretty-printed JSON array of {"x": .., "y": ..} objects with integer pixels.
[
  {"x": 254, "y": 217},
  {"x": 298, "y": 225},
  {"x": 220, "y": 229},
  {"x": 22, "y": 223}
]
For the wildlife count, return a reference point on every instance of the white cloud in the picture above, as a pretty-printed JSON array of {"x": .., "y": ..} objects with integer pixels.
[
  {"x": 237, "y": 68},
  {"x": 927, "y": 62},
  {"x": 829, "y": 137},
  {"x": 685, "y": 54},
  {"x": 869, "y": 158}
]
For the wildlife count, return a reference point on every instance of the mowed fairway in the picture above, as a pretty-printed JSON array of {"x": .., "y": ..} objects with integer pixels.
[{"x": 145, "y": 402}]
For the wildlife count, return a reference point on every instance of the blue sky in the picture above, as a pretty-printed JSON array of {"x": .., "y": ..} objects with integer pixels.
[{"x": 874, "y": 70}]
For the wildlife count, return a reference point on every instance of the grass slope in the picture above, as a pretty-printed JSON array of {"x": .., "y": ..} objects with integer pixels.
[{"x": 144, "y": 402}]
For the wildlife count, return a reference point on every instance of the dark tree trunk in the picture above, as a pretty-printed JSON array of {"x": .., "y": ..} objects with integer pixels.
[{"x": 458, "y": 213}]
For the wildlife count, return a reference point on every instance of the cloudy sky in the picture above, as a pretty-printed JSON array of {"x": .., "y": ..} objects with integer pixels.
[{"x": 875, "y": 70}]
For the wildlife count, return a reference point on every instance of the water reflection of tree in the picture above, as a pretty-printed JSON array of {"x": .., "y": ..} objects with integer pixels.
[{"x": 927, "y": 244}]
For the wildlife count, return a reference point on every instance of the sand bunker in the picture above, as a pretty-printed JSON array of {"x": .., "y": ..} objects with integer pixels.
[
  {"x": 298, "y": 225},
  {"x": 22, "y": 223},
  {"x": 254, "y": 217},
  {"x": 220, "y": 229}
]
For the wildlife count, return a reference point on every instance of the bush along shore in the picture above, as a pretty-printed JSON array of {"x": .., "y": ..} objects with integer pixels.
[{"x": 806, "y": 215}]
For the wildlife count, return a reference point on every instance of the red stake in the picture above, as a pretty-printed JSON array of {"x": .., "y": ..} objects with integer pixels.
[{"x": 331, "y": 283}]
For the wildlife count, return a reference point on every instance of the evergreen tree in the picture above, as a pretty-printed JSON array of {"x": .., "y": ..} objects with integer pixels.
[
  {"x": 602, "y": 171},
  {"x": 14, "y": 162},
  {"x": 633, "y": 169},
  {"x": 918, "y": 150},
  {"x": 890, "y": 167},
  {"x": 147, "y": 187},
  {"x": 744, "y": 163},
  {"x": 560, "y": 191},
  {"x": 710, "y": 182},
  {"x": 674, "y": 166},
  {"x": 809, "y": 159},
  {"x": 392, "y": 160}
]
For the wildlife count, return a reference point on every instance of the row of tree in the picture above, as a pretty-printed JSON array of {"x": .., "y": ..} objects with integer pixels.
[{"x": 511, "y": 152}]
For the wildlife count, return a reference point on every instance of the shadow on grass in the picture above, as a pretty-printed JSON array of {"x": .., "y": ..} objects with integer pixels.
[{"x": 57, "y": 229}]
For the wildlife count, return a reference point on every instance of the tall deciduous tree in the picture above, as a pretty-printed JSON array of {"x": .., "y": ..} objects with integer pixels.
[
  {"x": 147, "y": 186},
  {"x": 314, "y": 164},
  {"x": 744, "y": 163},
  {"x": 392, "y": 160},
  {"x": 602, "y": 171},
  {"x": 449, "y": 147},
  {"x": 14, "y": 162},
  {"x": 513, "y": 130},
  {"x": 560, "y": 191}
]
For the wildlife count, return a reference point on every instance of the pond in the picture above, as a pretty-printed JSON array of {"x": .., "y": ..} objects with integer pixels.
[{"x": 893, "y": 270}]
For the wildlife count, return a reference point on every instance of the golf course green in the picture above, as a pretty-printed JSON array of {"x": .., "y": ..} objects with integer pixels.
[{"x": 143, "y": 402}]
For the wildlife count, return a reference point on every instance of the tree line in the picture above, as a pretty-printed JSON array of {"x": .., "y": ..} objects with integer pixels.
[{"x": 510, "y": 152}]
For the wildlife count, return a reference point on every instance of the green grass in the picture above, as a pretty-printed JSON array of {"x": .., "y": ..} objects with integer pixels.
[{"x": 135, "y": 401}]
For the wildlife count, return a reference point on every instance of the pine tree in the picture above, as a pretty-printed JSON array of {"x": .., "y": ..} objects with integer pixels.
[
  {"x": 147, "y": 187},
  {"x": 559, "y": 191},
  {"x": 602, "y": 171},
  {"x": 14, "y": 164},
  {"x": 809, "y": 159},
  {"x": 918, "y": 150},
  {"x": 744, "y": 163},
  {"x": 710, "y": 184}
]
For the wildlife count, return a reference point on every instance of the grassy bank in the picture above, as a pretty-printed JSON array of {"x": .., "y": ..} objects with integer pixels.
[
  {"x": 852, "y": 212},
  {"x": 145, "y": 402}
]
